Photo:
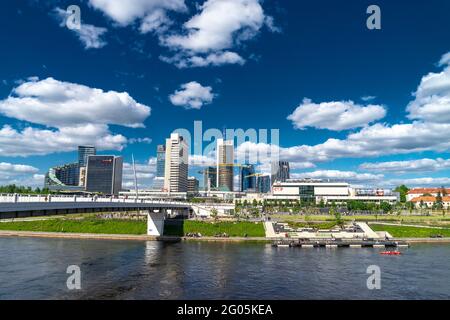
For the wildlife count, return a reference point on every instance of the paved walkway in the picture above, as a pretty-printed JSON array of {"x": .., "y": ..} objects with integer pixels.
[
  {"x": 408, "y": 225},
  {"x": 101, "y": 236}
]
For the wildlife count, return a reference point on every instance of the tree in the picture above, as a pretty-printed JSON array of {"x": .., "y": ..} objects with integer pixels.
[
  {"x": 337, "y": 216},
  {"x": 214, "y": 214},
  {"x": 403, "y": 190},
  {"x": 386, "y": 207},
  {"x": 439, "y": 204}
]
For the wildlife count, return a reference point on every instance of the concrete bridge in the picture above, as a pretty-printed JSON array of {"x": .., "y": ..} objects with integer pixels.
[{"x": 21, "y": 206}]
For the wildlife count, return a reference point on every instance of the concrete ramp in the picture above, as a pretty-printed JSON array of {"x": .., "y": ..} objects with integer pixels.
[
  {"x": 367, "y": 230},
  {"x": 270, "y": 232}
]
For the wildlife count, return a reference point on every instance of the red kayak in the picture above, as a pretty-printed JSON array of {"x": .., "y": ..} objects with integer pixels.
[{"x": 392, "y": 253}]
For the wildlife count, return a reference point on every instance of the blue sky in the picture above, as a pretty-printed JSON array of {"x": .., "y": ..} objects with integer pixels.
[{"x": 368, "y": 106}]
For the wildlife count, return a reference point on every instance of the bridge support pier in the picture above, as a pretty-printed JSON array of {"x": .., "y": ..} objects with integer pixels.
[{"x": 155, "y": 222}]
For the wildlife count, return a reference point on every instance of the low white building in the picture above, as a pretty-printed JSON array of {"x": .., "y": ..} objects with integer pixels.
[{"x": 317, "y": 191}]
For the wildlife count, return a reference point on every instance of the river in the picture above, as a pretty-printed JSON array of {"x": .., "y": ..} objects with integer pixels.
[{"x": 35, "y": 268}]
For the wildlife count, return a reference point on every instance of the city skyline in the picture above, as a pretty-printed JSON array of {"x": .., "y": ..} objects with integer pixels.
[{"x": 365, "y": 106}]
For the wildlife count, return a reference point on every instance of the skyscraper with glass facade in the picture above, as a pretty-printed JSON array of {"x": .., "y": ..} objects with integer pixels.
[
  {"x": 280, "y": 171},
  {"x": 104, "y": 174},
  {"x": 247, "y": 178},
  {"x": 83, "y": 153}
]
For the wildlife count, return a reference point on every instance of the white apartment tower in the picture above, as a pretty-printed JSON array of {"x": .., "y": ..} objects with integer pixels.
[
  {"x": 225, "y": 164},
  {"x": 176, "y": 164}
]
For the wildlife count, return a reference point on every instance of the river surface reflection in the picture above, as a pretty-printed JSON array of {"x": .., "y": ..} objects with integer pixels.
[{"x": 33, "y": 268}]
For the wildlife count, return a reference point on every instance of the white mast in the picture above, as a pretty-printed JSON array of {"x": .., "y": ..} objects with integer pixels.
[{"x": 135, "y": 176}]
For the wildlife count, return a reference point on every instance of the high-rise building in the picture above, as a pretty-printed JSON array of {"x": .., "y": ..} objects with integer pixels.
[
  {"x": 247, "y": 178},
  {"x": 104, "y": 174},
  {"x": 67, "y": 174},
  {"x": 83, "y": 153},
  {"x": 160, "y": 160},
  {"x": 280, "y": 171},
  {"x": 82, "y": 179},
  {"x": 263, "y": 184},
  {"x": 176, "y": 164},
  {"x": 61, "y": 177},
  {"x": 210, "y": 178},
  {"x": 225, "y": 164},
  {"x": 193, "y": 185}
]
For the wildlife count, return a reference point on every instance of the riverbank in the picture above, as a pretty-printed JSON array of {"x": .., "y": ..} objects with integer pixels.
[
  {"x": 178, "y": 228},
  {"x": 93, "y": 236},
  {"x": 103, "y": 236}
]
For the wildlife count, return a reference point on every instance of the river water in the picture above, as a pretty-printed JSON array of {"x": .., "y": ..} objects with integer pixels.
[{"x": 34, "y": 268}]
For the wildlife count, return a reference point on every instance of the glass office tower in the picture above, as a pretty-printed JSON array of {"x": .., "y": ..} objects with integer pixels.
[{"x": 104, "y": 174}]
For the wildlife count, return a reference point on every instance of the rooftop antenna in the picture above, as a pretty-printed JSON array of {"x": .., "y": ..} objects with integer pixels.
[{"x": 135, "y": 176}]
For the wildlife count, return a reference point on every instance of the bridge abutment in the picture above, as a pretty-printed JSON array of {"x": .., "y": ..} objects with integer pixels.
[{"x": 155, "y": 222}]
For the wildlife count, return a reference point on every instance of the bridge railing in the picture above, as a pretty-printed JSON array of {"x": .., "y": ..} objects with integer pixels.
[{"x": 16, "y": 198}]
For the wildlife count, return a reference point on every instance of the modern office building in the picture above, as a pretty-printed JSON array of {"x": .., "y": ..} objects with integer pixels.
[
  {"x": 104, "y": 174},
  {"x": 82, "y": 179},
  {"x": 193, "y": 185},
  {"x": 67, "y": 175},
  {"x": 263, "y": 184},
  {"x": 210, "y": 178},
  {"x": 247, "y": 178},
  {"x": 176, "y": 164},
  {"x": 225, "y": 164},
  {"x": 63, "y": 178},
  {"x": 280, "y": 171},
  {"x": 160, "y": 160},
  {"x": 83, "y": 153}
]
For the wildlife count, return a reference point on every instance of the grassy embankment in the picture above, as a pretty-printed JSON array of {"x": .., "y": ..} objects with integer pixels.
[
  {"x": 116, "y": 226},
  {"x": 410, "y": 232},
  {"x": 208, "y": 229},
  {"x": 433, "y": 220}
]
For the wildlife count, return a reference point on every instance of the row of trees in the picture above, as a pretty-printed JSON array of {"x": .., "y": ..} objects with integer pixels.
[
  {"x": 296, "y": 206},
  {"x": 12, "y": 188}
]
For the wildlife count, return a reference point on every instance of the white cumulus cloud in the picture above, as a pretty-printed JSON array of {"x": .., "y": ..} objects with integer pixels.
[
  {"x": 335, "y": 115},
  {"x": 417, "y": 165},
  {"x": 432, "y": 97},
  {"x": 220, "y": 25},
  {"x": 89, "y": 35},
  {"x": 192, "y": 95},
  {"x": 73, "y": 114},
  {"x": 126, "y": 12}
]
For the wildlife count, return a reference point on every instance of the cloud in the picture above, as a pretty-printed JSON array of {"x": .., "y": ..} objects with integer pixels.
[
  {"x": 335, "y": 115},
  {"x": 140, "y": 140},
  {"x": 213, "y": 59},
  {"x": 420, "y": 182},
  {"x": 57, "y": 104},
  {"x": 418, "y": 165},
  {"x": 201, "y": 160},
  {"x": 219, "y": 26},
  {"x": 20, "y": 174},
  {"x": 9, "y": 168},
  {"x": 368, "y": 98},
  {"x": 89, "y": 35},
  {"x": 432, "y": 97},
  {"x": 192, "y": 95},
  {"x": 148, "y": 12},
  {"x": 145, "y": 173},
  {"x": 337, "y": 175},
  {"x": 73, "y": 114},
  {"x": 32, "y": 180},
  {"x": 372, "y": 141}
]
